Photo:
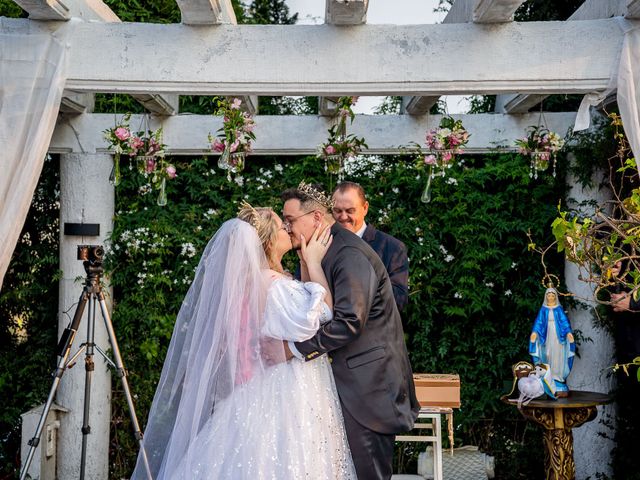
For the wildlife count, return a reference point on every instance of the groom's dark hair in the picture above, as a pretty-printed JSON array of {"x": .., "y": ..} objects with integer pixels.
[{"x": 310, "y": 195}]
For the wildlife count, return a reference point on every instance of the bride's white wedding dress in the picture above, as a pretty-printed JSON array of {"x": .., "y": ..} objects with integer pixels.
[{"x": 285, "y": 423}]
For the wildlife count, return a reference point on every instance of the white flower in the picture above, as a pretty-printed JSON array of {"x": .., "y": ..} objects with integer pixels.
[
  {"x": 514, "y": 265},
  {"x": 489, "y": 284},
  {"x": 395, "y": 190},
  {"x": 443, "y": 250},
  {"x": 277, "y": 167},
  {"x": 507, "y": 293},
  {"x": 239, "y": 180},
  {"x": 457, "y": 295},
  {"x": 188, "y": 249},
  {"x": 449, "y": 258},
  {"x": 452, "y": 181}
]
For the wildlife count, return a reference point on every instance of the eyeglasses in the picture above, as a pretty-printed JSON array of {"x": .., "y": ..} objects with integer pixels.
[{"x": 286, "y": 224}]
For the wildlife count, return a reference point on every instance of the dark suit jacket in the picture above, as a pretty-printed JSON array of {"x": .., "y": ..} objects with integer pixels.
[
  {"x": 365, "y": 339},
  {"x": 393, "y": 254}
]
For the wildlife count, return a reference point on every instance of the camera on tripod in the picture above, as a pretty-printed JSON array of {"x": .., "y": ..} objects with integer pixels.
[{"x": 90, "y": 253}]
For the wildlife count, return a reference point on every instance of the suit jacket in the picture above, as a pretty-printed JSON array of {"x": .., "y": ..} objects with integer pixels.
[
  {"x": 393, "y": 254},
  {"x": 365, "y": 339}
]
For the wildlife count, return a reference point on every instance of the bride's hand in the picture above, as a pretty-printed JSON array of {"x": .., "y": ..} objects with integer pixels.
[{"x": 314, "y": 250}]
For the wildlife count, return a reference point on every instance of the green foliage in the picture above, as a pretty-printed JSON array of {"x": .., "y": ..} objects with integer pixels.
[
  {"x": 8, "y": 8},
  {"x": 28, "y": 313}
]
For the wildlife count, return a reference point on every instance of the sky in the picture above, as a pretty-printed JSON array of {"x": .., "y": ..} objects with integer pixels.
[{"x": 397, "y": 12}]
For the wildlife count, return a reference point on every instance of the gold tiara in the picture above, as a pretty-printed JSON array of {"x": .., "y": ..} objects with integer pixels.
[
  {"x": 256, "y": 220},
  {"x": 316, "y": 195}
]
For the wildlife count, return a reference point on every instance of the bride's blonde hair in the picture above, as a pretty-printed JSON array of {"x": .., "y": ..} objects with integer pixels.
[{"x": 263, "y": 220}]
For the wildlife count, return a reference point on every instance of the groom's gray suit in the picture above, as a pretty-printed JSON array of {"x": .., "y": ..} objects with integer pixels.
[{"x": 365, "y": 342}]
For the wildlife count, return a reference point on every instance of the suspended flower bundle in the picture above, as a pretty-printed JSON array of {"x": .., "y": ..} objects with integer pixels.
[
  {"x": 233, "y": 140},
  {"x": 339, "y": 146},
  {"x": 542, "y": 146},
  {"x": 147, "y": 149},
  {"x": 444, "y": 143}
]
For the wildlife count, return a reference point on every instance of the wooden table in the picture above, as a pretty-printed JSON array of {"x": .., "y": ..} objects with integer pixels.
[{"x": 558, "y": 417}]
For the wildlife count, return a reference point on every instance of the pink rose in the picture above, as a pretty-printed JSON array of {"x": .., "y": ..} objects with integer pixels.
[
  {"x": 430, "y": 160},
  {"x": 136, "y": 142},
  {"x": 122, "y": 133},
  {"x": 150, "y": 166},
  {"x": 330, "y": 150},
  {"x": 171, "y": 171},
  {"x": 217, "y": 146},
  {"x": 446, "y": 157}
]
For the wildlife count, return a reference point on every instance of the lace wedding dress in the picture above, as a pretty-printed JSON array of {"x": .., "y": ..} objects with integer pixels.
[{"x": 283, "y": 424}]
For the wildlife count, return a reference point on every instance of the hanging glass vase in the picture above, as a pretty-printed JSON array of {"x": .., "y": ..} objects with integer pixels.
[
  {"x": 223, "y": 159},
  {"x": 114, "y": 177},
  {"x": 162, "y": 194},
  {"x": 333, "y": 164},
  {"x": 146, "y": 163},
  {"x": 426, "y": 194},
  {"x": 540, "y": 162},
  {"x": 236, "y": 162}
]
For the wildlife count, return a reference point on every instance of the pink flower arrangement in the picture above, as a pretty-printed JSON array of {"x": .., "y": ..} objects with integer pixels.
[
  {"x": 445, "y": 142},
  {"x": 146, "y": 146},
  {"x": 542, "y": 145},
  {"x": 236, "y": 134}
]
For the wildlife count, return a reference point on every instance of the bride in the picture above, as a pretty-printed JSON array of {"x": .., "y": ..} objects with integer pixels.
[{"x": 219, "y": 411}]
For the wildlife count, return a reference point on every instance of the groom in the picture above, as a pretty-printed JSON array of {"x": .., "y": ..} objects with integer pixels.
[{"x": 364, "y": 341}]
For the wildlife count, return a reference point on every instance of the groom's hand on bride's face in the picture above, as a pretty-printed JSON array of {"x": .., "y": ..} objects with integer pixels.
[{"x": 274, "y": 351}]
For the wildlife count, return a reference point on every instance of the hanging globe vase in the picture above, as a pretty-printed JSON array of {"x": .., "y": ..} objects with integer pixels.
[
  {"x": 145, "y": 164},
  {"x": 236, "y": 162},
  {"x": 114, "y": 177},
  {"x": 223, "y": 159},
  {"x": 333, "y": 164}
]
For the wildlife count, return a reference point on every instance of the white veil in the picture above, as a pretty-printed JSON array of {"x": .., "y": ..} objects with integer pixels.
[{"x": 214, "y": 348}]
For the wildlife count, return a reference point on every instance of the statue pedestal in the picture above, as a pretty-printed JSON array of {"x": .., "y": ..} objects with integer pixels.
[{"x": 558, "y": 418}]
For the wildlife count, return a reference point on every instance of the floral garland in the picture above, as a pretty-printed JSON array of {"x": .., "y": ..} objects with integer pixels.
[
  {"x": 233, "y": 140},
  {"x": 148, "y": 150},
  {"x": 340, "y": 146},
  {"x": 542, "y": 145}
]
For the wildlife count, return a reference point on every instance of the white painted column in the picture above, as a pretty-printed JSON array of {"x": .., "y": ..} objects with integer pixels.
[
  {"x": 592, "y": 450},
  {"x": 85, "y": 197}
]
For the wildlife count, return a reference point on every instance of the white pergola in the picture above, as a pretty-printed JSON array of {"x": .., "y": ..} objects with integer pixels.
[{"x": 478, "y": 49}]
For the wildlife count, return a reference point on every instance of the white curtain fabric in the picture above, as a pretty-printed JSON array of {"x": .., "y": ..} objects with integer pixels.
[
  {"x": 32, "y": 77},
  {"x": 629, "y": 88}
]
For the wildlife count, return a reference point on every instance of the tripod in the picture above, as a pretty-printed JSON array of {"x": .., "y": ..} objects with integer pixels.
[{"x": 92, "y": 256}]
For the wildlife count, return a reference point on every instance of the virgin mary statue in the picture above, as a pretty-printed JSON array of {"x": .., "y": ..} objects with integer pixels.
[{"x": 552, "y": 341}]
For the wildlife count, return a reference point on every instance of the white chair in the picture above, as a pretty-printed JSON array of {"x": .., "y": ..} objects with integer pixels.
[{"x": 429, "y": 418}]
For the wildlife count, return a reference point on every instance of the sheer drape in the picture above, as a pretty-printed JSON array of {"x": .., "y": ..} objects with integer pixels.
[
  {"x": 629, "y": 89},
  {"x": 32, "y": 77}
]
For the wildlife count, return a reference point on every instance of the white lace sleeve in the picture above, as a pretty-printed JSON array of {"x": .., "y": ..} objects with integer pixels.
[{"x": 294, "y": 310}]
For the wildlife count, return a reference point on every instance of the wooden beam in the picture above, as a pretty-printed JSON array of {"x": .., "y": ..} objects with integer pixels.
[
  {"x": 418, "y": 105},
  {"x": 594, "y": 9},
  {"x": 462, "y": 11},
  {"x": 589, "y": 10},
  {"x": 385, "y": 134},
  {"x": 633, "y": 9},
  {"x": 206, "y": 12},
  {"x": 161, "y": 104},
  {"x": 346, "y": 12},
  {"x": 327, "y": 106},
  {"x": 76, "y": 103},
  {"x": 45, "y": 9},
  {"x": 365, "y": 60},
  {"x": 495, "y": 11}
]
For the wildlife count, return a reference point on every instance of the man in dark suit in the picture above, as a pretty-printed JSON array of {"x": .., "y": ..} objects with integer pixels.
[
  {"x": 350, "y": 208},
  {"x": 364, "y": 340}
]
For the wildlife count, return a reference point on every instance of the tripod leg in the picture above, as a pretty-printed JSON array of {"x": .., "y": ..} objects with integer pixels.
[
  {"x": 89, "y": 368},
  {"x": 64, "y": 347},
  {"x": 123, "y": 378}
]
